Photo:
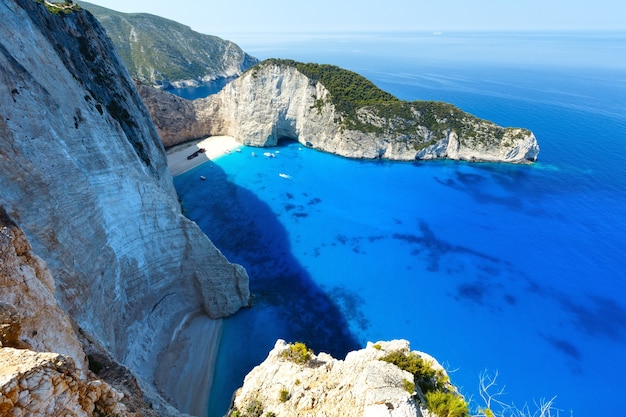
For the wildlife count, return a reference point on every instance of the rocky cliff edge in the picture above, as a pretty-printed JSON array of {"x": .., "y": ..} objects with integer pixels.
[
  {"x": 295, "y": 382},
  {"x": 84, "y": 174}
]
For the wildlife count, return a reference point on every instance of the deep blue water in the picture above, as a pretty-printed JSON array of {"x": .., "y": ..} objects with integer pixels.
[
  {"x": 205, "y": 89},
  {"x": 519, "y": 269}
]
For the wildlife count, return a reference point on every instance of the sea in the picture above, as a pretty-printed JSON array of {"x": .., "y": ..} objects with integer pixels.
[{"x": 510, "y": 271}]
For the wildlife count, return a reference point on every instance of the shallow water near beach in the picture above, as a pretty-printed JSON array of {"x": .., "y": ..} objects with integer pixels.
[{"x": 518, "y": 269}]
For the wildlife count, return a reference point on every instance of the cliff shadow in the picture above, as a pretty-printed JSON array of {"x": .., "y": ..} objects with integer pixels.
[{"x": 286, "y": 302}]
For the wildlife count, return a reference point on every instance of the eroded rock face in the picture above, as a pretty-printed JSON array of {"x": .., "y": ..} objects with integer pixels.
[
  {"x": 84, "y": 174},
  {"x": 359, "y": 385},
  {"x": 274, "y": 101},
  {"x": 48, "y": 384},
  {"x": 29, "y": 313}
]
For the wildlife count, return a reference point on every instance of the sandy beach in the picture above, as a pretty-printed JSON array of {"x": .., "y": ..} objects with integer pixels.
[
  {"x": 214, "y": 146},
  {"x": 185, "y": 371}
]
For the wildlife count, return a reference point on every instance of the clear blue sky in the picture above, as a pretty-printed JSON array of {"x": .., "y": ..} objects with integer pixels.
[{"x": 217, "y": 18}]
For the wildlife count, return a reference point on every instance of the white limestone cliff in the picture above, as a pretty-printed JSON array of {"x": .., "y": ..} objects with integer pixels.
[
  {"x": 359, "y": 385},
  {"x": 84, "y": 174},
  {"x": 43, "y": 368},
  {"x": 273, "y": 101}
]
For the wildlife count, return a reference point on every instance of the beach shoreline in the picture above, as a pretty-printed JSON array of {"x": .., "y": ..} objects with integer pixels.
[
  {"x": 213, "y": 146},
  {"x": 185, "y": 371}
]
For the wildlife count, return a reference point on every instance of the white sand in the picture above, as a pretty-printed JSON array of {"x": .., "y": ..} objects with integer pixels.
[
  {"x": 215, "y": 146},
  {"x": 185, "y": 372}
]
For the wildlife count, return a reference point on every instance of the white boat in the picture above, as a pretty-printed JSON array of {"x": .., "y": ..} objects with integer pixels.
[
  {"x": 202, "y": 177},
  {"x": 286, "y": 176}
]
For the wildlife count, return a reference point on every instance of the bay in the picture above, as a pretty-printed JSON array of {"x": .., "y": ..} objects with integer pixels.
[{"x": 518, "y": 269}]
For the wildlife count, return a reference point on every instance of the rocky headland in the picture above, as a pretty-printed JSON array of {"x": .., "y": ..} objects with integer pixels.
[
  {"x": 336, "y": 111},
  {"x": 84, "y": 176}
]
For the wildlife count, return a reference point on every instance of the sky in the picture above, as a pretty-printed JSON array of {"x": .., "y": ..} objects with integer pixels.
[{"x": 219, "y": 18}]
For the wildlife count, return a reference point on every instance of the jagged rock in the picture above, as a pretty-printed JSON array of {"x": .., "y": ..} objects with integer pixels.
[
  {"x": 175, "y": 118},
  {"x": 48, "y": 384},
  {"x": 85, "y": 175},
  {"x": 29, "y": 310},
  {"x": 359, "y": 385},
  {"x": 276, "y": 100},
  {"x": 35, "y": 321}
]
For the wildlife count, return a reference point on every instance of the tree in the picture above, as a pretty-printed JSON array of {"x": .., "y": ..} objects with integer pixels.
[{"x": 491, "y": 393}]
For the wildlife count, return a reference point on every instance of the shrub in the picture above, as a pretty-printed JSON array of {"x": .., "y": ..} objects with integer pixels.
[
  {"x": 425, "y": 376},
  {"x": 409, "y": 386},
  {"x": 446, "y": 404},
  {"x": 284, "y": 395},
  {"x": 297, "y": 352}
]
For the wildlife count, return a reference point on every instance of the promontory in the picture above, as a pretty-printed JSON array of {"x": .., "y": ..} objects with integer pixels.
[{"x": 338, "y": 111}]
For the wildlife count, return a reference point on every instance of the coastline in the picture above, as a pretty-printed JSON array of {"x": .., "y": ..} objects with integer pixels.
[
  {"x": 185, "y": 372},
  {"x": 214, "y": 146},
  {"x": 195, "y": 360}
]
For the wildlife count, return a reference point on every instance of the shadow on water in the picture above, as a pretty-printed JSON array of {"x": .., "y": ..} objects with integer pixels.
[{"x": 286, "y": 301}]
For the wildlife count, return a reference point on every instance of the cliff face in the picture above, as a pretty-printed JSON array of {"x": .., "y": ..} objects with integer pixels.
[
  {"x": 43, "y": 366},
  {"x": 360, "y": 385},
  {"x": 84, "y": 174},
  {"x": 27, "y": 304},
  {"x": 164, "y": 52},
  {"x": 276, "y": 99}
]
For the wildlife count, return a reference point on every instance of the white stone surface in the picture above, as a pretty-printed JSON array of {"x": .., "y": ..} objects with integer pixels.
[
  {"x": 273, "y": 101},
  {"x": 48, "y": 384},
  {"x": 359, "y": 385},
  {"x": 84, "y": 174}
]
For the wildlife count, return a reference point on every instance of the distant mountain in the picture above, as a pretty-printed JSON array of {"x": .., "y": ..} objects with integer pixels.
[{"x": 163, "y": 52}]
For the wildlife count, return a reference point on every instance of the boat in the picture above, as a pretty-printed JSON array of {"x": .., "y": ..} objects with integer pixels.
[
  {"x": 286, "y": 176},
  {"x": 202, "y": 177}
]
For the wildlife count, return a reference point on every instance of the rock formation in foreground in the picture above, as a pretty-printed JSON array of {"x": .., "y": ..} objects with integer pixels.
[
  {"x": 337, "y": 111},
  {"x": 43, "y": 366},
  {"x": 85, "y": 176},
  {"x": 372, "y": 382},
  {"x": 163, "y": 52}
]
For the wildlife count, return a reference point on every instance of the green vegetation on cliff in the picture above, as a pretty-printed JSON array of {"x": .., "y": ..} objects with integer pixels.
[
  {"x": 441, "y": 398},
  {"x": 155, "y": 49},
  {"x": 59, "y": 7},
  {"x": 365, "y": 107}
]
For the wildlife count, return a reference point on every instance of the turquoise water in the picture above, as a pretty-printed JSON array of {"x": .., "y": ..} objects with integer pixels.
[{"x": 518, "y": 269}]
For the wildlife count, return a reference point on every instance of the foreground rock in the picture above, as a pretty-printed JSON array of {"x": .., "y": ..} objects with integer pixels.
[
  {"x": 49, "y": 384},
  {"x": 287, "y": 385},
  {"x": 336, "y": 111},
  {"x": 34, "y": 377},
  {"x": 84, "y": 174}
]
